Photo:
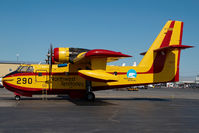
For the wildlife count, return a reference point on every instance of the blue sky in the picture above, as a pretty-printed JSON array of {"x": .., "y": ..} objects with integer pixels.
[{"x": 27, "y": 27}]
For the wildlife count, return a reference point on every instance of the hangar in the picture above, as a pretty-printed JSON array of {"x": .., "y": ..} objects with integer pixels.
[{"x": 7, "y": 67}]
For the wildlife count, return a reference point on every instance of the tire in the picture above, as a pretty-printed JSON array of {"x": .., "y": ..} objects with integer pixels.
[
  {"x": 90, "y": 96},
  {"x": 17, "y": 98}
]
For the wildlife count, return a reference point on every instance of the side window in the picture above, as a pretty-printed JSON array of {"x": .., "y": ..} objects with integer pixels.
[
  {"x": 30, "y": 69},
  {"x": 24, "y": 69}
]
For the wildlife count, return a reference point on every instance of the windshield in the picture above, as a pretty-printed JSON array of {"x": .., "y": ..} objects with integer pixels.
[
  {"x": 25, "y": 69},
  {"x": 19, "y": 68}
]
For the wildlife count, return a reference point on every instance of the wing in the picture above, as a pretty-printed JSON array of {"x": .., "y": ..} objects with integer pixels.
[{"x": 110, "y": 56}]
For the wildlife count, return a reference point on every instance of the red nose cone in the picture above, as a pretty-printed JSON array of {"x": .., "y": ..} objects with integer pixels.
[{"x": 56, "y": 54}]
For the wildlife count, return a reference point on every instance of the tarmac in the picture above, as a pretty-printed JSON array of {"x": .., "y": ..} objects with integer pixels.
[{"x": 155, "y": 110}]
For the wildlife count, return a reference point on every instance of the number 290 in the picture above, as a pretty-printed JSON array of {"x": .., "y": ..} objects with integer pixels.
[{"x": 24, "y": 80}]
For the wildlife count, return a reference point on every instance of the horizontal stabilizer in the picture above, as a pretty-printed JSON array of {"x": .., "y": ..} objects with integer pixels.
[
  {"x": 143, "y": 53},
  {"x": 97, "y": 75},
  {"x": 172, "y": 47}
]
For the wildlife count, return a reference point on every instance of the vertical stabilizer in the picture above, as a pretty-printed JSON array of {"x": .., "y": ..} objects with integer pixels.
[{"x": 163, "y": 57}]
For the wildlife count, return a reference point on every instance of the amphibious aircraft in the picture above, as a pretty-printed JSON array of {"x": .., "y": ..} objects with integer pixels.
[{"x": 78, "y": 72}]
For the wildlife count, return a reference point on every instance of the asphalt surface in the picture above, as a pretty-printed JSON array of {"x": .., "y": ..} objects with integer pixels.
[{"x": 144, "y": 111}]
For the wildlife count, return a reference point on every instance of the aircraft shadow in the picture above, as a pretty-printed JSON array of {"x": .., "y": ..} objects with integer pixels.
[
  {"x": 34, "y": 98},
  {"x": 107, "y": 101},
  {"x": 78, "y": 102},
  {"x": 82, "y": 102},
  {"x": 137, "y": 99}
]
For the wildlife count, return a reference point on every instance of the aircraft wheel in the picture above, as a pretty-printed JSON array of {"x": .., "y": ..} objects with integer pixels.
[
  {"x": 91, "y": 96},
  {"x": 17, "y": 98}
]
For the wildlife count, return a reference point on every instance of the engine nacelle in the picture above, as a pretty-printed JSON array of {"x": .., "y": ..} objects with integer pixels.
[{"x": 66, "y": 55}]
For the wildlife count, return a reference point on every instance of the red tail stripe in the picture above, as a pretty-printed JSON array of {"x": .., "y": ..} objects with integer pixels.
[
  {"x": 179, "y": 51},
  {"x": 159, "y": 61},
  {"x": 167, "y": 38}
]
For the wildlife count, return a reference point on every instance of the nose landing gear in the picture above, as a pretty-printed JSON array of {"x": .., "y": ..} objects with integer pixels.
[{"x": 17, "y": 98}]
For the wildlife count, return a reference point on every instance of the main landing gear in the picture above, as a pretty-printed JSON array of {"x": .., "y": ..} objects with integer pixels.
[
  {"x": 90, "y": 96},
  {"x": 17, "y": 98}
]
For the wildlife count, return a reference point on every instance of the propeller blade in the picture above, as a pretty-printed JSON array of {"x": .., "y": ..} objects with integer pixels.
[
  {"x": 48, "y": 56},
  {"x": 50, "y": 65},
  {"x": 51, "y": 53}
]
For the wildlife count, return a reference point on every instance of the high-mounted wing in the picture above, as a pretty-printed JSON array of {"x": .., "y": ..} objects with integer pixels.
[
  {"x": 99, "y": 53},
  {"x": 79, "y": 55}
]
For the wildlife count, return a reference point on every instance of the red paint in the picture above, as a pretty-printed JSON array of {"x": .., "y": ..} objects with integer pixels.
[
  {"x": 158, "y": 64},
  {"x": 21, "y": 74},
  {"x": 106, "y": 53},
  {"x": 24, "y": 91},
  {"x": 20, "y": 87},
  {"x": 173, "y": 47},
  {"x": 167, "y": 37},
  {"x": 159, "y": 61},
  {"x": 176, "y": 78},
  {"x": 180, "y": 46},
  {"x": 56, "y": 54},
  {"x": 34, "y": 74}
]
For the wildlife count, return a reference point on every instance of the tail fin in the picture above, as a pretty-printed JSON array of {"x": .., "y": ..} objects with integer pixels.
[{"x": 163, "y": 57}]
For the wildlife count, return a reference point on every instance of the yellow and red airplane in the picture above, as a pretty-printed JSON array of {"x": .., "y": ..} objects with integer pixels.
[{"x": 78, "y": 72}]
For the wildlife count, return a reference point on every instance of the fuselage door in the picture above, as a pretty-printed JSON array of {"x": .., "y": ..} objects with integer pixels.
[{"x": 41, "y": 75}]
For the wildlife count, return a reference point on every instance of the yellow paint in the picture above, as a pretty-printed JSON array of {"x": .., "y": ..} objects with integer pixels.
[
  {"x": 63, "y": 54},
  {"x": 40, "y": 77},
  {"x": 96, "y": 67},
  {"x": 98, "y": 63},
  {"x": 99, "y": 74}
]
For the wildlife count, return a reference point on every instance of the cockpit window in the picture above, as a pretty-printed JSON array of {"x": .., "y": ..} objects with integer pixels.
[
  {"x": 18, "y": 69},
  {"x": 23, "y": 69},
  {"x": 30, "y": 69}
]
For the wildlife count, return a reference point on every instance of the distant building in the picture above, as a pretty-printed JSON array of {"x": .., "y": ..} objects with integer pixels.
[
  {"x": 10, "y": 66},
  {"x": 197, "y": 79},
  {"x": 7, "y": 67}
]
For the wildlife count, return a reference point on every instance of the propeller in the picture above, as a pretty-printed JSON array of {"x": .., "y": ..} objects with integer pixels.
[
  {"x": 50, "y": 62},
  {"x": 48, "y": 57}
]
